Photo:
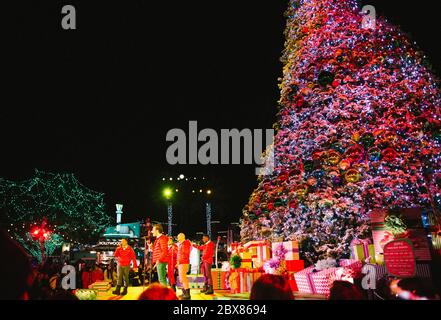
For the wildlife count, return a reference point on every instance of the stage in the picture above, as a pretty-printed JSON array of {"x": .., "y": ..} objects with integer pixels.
[{"x": 134, "y": 292}]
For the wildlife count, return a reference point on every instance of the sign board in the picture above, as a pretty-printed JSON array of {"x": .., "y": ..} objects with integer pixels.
[{"x": 399, "y": 258}]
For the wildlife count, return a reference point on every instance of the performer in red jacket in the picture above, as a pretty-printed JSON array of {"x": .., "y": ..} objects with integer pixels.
[
  {"x": 207, "y": 260},
  {"x": 184, "y": 249},
  {"x": 172, "y": 257},
  {"x": 160, "y": 253},
  {"x": 124, "y": 254}
]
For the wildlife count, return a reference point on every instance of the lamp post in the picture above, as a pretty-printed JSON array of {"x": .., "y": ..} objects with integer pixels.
[
  {"x": 208, "y": 212},
  {"x": 168, "y": 193}
]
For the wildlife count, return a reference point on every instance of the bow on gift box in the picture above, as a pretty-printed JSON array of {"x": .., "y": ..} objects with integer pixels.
[{"x": 395, "y": 225}]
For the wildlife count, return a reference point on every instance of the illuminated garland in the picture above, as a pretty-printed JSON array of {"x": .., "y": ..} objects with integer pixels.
[
  {"x": 74, "y": 213},
  {"x": 359, "y": 128}
]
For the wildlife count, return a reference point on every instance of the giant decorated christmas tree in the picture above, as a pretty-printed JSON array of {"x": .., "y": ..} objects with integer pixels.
[{"x": 358, "y": 129}]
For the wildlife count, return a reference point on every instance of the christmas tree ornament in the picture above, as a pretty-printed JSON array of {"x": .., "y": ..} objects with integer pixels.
[
  {"x": 344, "y": 164},
  {"x": 352, "y": 175},
  {"x": 355, "y": 153},
  {"x": 389, "y": 154},
  {"x": 333, "y": 157},
  {"x": 301, "y": 191}
]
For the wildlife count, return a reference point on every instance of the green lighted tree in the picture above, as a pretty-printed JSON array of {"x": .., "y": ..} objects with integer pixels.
[{"x": 74, "y": 213}]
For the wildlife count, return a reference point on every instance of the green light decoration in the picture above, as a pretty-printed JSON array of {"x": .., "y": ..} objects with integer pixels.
[
  {"x": 33, "y": 246},
  {"x": 395, "y": 224},
  {"x": 74, "y": 213}
]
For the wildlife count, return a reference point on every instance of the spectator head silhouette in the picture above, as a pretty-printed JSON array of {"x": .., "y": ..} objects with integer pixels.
[
  {"x": 271, "y": 287},
  {"x": 157, "y": 291},
  {"x": 344, "y": 290}
]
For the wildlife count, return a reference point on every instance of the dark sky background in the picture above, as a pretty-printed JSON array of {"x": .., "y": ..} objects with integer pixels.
[{"x": 98, "y": 101}]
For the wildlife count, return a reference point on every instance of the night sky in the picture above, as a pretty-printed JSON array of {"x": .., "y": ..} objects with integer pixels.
[{"x": 98, "y": 101}]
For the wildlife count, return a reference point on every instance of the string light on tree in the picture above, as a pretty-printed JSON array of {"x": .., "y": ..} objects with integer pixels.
[
  {"x": 62, "y": 199},
  {"x": 358, "y": 129}
]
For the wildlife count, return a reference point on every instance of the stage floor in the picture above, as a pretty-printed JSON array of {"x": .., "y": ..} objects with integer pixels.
[{"x": 134, "y": 292}]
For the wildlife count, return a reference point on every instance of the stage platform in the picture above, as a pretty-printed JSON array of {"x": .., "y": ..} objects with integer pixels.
[{"x": 134, "y": 292}]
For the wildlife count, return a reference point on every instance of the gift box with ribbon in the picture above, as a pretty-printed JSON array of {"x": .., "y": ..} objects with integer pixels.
[
  {"x": 363, "y": 250},
  {"x": 234, "y": 246},
  {"x": 313, "y": 281},
  {"x": 294, "y": 265},
  {"x": 220, "y": 279},
  {"x": 260, "y": 252},
  {"x": 292, "y": 281},
  {"x": 194, "y": 281},
  {"x": 292, "y": 248},
  {"x": 241, "y": 280},
  {"x": 247, "y": 261}
]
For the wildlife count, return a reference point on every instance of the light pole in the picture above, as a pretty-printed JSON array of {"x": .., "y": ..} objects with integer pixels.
[
  {"x": 208, "y": 212},
  {"x": 168, "y": 193}
]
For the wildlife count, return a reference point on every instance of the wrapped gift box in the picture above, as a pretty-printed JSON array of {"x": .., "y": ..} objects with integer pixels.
[
  {"x": 195, "y": 281},
  {"x": 85, "y": 294},
  {"x": 292, "y": 281},
  {"x": 235, "y": 247},
  {"x": 293, "y": 285},
  {"x": 319, "y": 282},
  {"x": 220, "y": 279},
  {"x": 247, "y": 261},
  {"x": 100, "y": 287},
  {"x": 241, "y": 280},
  {"x": 294, "y": 265},
  {"x": 363, "y": 250},
  {"x": 260, "y": 252},
  {"x": 292, "y": 248}
]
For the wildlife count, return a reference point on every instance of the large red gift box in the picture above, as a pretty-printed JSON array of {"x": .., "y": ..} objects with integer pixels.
[
  {"x": 292, "y": 281},
  {"x": 219, "y": 279},
  {"x": 294, "y": 265}
]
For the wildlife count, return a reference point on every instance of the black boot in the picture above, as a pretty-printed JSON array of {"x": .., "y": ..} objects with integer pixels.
[
  {"x": 181, "y": 296},
  {"x": 117, "y": 290},
  {"x": 186, "y": 295},
  {"x": 174, "y": 287},
  {"x": 209, "y": 290},
  {"x": 124, "y": 292}
]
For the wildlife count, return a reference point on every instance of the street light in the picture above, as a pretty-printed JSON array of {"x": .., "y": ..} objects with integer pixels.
[{"x": 168, "y": 193}]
